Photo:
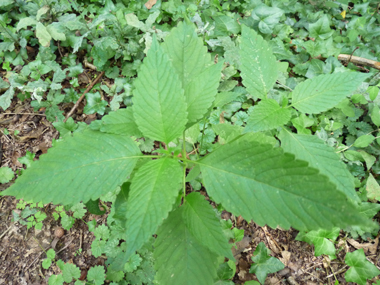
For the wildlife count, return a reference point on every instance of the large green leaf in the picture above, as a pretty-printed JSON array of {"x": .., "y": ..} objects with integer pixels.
[
  {"x": 159, "y": 105},
  {"x": 190, "y": 59},
  {"x": 204, "y": 225},
  {"x": 267, "y": 115},
  {"x": 83, "y": 167},
  {"x": 153, "y": 191},
  {"x": 258, "y": 64},
  {"x": 120, "y": 122},
  {"x": 324, "y": 92},
  {"x": 180, "y": 259},
  {"x": 322, "y": 157},
  {"x": 262, "y": 183}
]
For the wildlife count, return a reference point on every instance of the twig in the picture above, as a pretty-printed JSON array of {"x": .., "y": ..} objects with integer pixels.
[
  {"x": 338, "y": 272},
  {"x": 24, "y": 114},
  {"x": 356, "y": 60},
  {"x": 7, "y": 230},
  {"x": 84, "y": 93},
  {"x": 63, "y": 248}
]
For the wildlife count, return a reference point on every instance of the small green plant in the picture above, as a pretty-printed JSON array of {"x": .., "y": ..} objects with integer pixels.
[
  {"x": 30, "y": 216},
  {"x": 302, "y": 184},
  {"x": 264, "y": 263},
  {"x": 50, "y": 256}
]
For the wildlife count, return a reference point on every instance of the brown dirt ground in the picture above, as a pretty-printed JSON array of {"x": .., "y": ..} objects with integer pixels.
[{"x": 20, "y": 249}]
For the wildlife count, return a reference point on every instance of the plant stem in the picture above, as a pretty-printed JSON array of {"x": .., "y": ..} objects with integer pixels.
[
  {"x": 184, "y": 164},
  {"x": 203, "y": 133}
]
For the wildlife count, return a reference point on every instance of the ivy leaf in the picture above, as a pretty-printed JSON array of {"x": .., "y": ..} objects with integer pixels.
[
  {"x": 6, "y": 175},
  {"x": 324, "y": 92},
  {"x": 202, "y": 222},
  {"x": 120, "y": 122},
  {"x": 267, "y": 115},
  {"x": 258, "y": 64},
  {"x": 320, "y": 239},
  {"x": 321, "y": 28},
  {"x": 322, "y": 157},
  {"x": 96, "y": 274},
  {"x": 179, "y": 258},
  {"x": 263, "y": 263},
  {"x": 360, "y": 268},
  {"x": 225, "y": 26},
  {"x": 43, "y": 35},
  {"x": 266, "y": 17},
  {"x": 95, "y": 168},
  {"x": 153, "y": 191},
  {"x": 190, "y": 58},
  {"x": 264, "y": 184},
  {"x": 95, "y": 104},
  {"x": 158, "y": 93}
]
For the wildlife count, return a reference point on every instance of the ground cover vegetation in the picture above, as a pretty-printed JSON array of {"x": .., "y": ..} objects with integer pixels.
[{"x": 268, "y": 109}]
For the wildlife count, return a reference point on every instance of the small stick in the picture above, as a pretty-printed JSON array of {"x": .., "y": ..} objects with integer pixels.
[
  {"x": 84, "y": 93},
  {"x": 338, "y": 272},
  {"x": 357, "y": 60},
  {"x": 24, "y": 114}
]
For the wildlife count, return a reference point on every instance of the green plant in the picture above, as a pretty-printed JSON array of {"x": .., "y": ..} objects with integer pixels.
[
  {"x": 360, "y": 268},
  {"x": 302, "y": 184},
  {"x": 264, "y": 263},
  {"x": 50, "y": 256}
]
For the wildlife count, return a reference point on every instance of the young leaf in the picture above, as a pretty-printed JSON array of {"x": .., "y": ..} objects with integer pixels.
[
  {"x": 364, "y": 141},
  {"x": 190, "y": 58},
  {"x": 361, "y": 269},
  {"x": 159, "y": 105},
  {"x": 120, "y": 122},
  {"x": 69, "y": 271},
  {"x": 76, "y": 170},
  {"x": 95, "y": 104},
  {"x": 264, "y": 263},
  {"x": 267, "y": 115},
  {"x": 180, "y": 259},
  {"x": 96, "y": 274},
  {"x": 324, "y": 92},
  {"x": 202, "y": 222},
  {"x": 320, "y": 239},
  {"x": 153, "y": 191},
  {"x": 264, "y": 184},
  {"x": 320, "y": 156},
  {"x": 6, "y": 174},
  {"x": 258, "y": 64}
]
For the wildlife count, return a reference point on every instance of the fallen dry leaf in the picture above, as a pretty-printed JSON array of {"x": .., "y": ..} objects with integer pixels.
[
  {"x": 370, "y": 247},
  {"x": 150, "y": 4}
]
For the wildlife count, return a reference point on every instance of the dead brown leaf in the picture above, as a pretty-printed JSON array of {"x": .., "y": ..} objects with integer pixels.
[{"x": 150, "y": 4}]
